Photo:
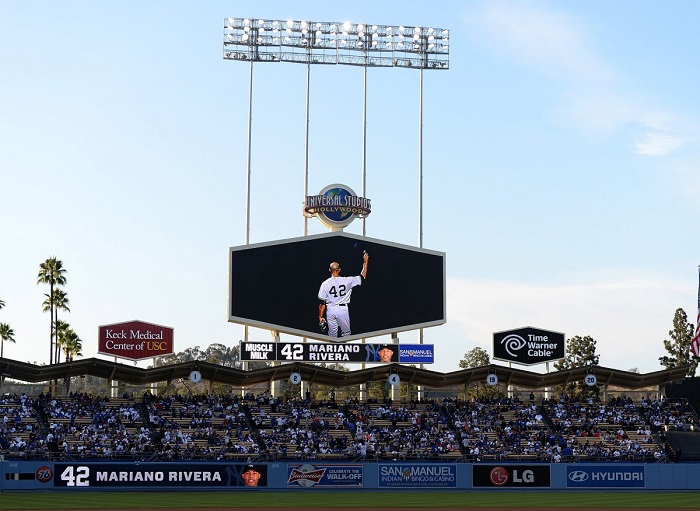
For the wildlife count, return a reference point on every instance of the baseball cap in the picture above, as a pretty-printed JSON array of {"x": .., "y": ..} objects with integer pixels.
[
  {"x": 247, "y": 468},
  {"x": 387, "y": 346}
]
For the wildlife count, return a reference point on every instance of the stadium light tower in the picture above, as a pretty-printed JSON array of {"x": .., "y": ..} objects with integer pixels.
[{"x": 337, "y": 43}]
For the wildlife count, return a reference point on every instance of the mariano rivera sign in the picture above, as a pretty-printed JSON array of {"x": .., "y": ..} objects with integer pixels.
[{"x": 528, "y": 346}]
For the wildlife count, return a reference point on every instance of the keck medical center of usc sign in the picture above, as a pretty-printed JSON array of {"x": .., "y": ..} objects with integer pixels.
[{"x": 135, "y": 340}]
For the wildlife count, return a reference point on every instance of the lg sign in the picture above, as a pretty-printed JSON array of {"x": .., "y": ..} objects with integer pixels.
[
  {"x": 500, "y": 476},
  {"x": 135, "y": 340},
  {"x": 512, "y": 475}
]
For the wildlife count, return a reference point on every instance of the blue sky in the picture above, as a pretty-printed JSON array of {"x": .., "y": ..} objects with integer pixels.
[{"x": 560, "y": 164}]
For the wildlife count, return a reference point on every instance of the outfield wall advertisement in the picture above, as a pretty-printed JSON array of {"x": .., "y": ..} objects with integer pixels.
[
  {"x": 417, "y": 475},
  {"x": 190, "y": 475},
  {"x": 509, "y": 476},
  {"x": 324, "y": 475},
  {"x": 157, "y": 475},
  {"x": 605, "y": 476}
]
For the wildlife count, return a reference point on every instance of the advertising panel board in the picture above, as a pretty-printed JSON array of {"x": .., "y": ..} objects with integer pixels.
[
  {"x": 324, "y": 475},
  {"x": 528, "y": 346},
  {"x": 276, "y": 285},
  {"x": 135, "y": 340},
  {"x": 158, "y": 475},
  {"x": 416, "y": 354},
  {"x": 509, "y": 476},
  {"x": 417, "y": 475},
  {"x": 335, "y": 352},
  {"x": 605, "y": 476}
]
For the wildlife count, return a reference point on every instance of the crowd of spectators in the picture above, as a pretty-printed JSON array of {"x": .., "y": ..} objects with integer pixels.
[
  {"x": 17, "y": 425},
  {"x": 264, "y": 427}
]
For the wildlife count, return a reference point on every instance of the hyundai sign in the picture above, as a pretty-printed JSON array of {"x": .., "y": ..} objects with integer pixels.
[
  {"x": 528, "y": 346},
  {"x": 605, "y": 476}
]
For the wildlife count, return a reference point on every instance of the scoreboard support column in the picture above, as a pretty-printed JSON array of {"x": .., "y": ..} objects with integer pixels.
[
  {"x": 395, "y": 389},
  {"x": 275, "y": 387}
]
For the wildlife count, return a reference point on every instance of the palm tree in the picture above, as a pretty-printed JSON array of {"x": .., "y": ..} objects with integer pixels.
[
  {"x": 60, "y": 301},
  {"x": 72, "y": 344},
  {"x": 2, "y": 304},
  {"x": 60, "y": 328},
  {"x": 51, "y": 272},
  {"x": 6, "y": 334}
]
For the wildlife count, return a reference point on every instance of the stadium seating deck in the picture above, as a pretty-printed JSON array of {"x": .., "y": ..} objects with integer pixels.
[{"x": 260, "y": 428}]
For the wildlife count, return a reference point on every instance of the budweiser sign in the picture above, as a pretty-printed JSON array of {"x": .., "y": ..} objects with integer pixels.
[{"x": 135, "y": 340}]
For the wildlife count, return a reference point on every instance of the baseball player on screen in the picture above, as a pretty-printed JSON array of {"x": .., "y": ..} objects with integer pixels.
[{"x": 334, "y": 296}]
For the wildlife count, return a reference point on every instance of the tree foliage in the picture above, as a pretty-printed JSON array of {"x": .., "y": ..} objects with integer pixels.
[
  {"x": 580, "y": 352},
  {"x": 215, "y": 353},
  {"x": 479, "y": 357},
  {"x": 678, "y": 346},
  {"x": 51, "y": 272},
  {"x": 6, "y": 334},
  {"x": 476, "y": 357}
]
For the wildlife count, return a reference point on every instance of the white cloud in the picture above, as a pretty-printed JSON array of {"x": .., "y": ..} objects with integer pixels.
[
  {"x": 550, "y": 40},
  {"x": 658, "y": 144},
  {"x": 600, "y": 97}
]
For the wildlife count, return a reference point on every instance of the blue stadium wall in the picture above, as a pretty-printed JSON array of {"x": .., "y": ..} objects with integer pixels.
[{"x": 117, "y": 476}]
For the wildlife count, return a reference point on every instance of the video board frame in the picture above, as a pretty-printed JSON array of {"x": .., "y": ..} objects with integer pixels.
[{"x": 274, "y": 285}]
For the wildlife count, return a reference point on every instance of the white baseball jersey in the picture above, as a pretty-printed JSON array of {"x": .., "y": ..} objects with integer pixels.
[
  {"x": 337, "y": 290},
  {"x": 335, "y": 293}
]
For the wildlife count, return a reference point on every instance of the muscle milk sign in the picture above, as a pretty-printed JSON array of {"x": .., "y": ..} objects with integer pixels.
[
  {"x": 528, "y": 346},
  {"x": 135, "y": 340}
]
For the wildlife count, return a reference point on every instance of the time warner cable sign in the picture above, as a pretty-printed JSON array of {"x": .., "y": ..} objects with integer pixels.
[{"x": 528, "y": 346}]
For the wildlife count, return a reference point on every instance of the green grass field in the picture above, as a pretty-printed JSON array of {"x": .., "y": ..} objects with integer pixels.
[{"x": 307, "y": 499}]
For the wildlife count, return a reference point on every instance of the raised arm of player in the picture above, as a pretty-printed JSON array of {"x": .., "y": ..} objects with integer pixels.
[{"x": 365, "y": 262}]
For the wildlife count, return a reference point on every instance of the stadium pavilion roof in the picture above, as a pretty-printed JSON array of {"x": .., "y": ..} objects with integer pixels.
[{"x": 31, "y": 373}]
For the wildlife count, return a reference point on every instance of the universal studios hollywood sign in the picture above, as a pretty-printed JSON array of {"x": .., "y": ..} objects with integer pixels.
[
  {"x": 336, "y": 206},
  {"x": 528, "y": 346}
]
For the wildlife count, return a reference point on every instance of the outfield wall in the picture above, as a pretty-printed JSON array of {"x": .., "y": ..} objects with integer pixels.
[{"x": 313, "y": 476}]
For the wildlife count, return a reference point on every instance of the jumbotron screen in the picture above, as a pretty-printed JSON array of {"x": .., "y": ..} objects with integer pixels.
[{"x": 276, "y": 286}]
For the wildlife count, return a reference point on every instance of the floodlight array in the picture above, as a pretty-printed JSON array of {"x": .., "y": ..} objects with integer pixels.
[{"x": 355, "y": 44}]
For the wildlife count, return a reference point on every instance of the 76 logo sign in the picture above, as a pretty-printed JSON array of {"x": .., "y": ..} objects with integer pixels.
[{"x": 44, "y": 474}]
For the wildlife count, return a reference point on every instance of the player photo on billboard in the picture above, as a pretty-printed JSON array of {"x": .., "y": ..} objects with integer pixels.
[
  {"x": 251, "y": 476},
  {"x": 386, "y": 352},
  {"x": 334, "y": 299}
]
